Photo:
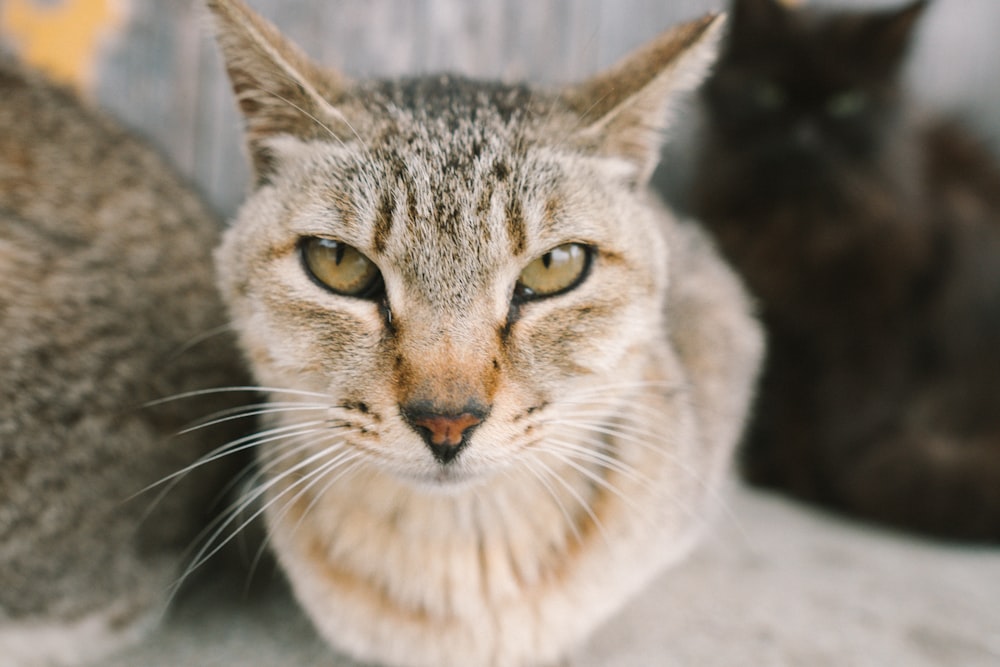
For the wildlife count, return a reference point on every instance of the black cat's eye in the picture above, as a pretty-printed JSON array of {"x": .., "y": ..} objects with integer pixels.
[
  {"x": 769, "y": 96},
  {"x": 847, "y": 104},
  {"x": 557, "y": 271},
  {"x": 340, "y": 268}
]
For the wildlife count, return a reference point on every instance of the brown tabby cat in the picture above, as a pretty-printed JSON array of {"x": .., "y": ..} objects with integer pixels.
[
  {"x": 871, "y": 236},
  {"x": 105, "y": 286},
  {"x": 514, "y": 379}
]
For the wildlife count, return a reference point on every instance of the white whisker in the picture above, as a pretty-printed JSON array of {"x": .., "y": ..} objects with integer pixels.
[
  {"x": 601, "y": 459},
  {"x": 238, "y": 508},
  {"x": 243, "y": 413},
  {"x": 240, "y": 444},
  {"x": 627, "y": 471},
  {"x": 631, "y": 384},
  {"x": 555, "y": 497},
  {"x": 348, "y": 460},
  {"x": 323, "y": 126},
  {"x": 333, "y": 111},
  {"x": 592, "y": 476},
  {"x": 194, "y": 341},
  {"x": 630, "y": 434},
  {"x": 344, "y": 458},
  {"x": 216, "y": 454},
  {"x": 263, "y": 404},
  {"x": 239, "y": 388},
  {"x": 584, "y": 505},
  {"x": 620, "y": 434}
]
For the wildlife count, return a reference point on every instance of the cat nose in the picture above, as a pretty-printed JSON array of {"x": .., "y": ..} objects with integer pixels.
[{"x": 446, "y": 431}]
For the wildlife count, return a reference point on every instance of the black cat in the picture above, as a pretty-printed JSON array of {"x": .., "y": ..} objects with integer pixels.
[{"x": 871, "y": 237}]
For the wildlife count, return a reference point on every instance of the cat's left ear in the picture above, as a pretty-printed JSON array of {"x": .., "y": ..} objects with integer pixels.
[{"x": 624, "y": 110}]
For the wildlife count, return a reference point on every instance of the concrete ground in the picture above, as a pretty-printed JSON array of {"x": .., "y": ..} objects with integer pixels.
[{"x": 775, "y": 584}]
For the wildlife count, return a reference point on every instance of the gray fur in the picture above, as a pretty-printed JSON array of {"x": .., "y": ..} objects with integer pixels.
[{"x": 105, "y": 290}]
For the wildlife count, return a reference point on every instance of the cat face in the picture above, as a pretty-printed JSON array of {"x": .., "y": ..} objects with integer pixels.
[
  {"x": 800, "y": 91},
  {"x": 403, "y": 299},
  {"x": 441, "y": 265}
]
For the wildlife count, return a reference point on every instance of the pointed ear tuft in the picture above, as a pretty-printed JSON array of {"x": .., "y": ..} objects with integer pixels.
[
  {"x": 278, "y": 89},
  {"x": 624, "y": 110}
]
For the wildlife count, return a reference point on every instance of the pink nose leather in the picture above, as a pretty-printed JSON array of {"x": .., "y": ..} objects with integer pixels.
[
  {"x": 444, "y": 429},
  {"x": 447, "y": 430}
]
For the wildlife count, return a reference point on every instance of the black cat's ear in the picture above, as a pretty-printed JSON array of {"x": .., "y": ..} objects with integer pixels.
[
  {"x": 756, "y": 16},
  {"x": 624, "y": 110},
  {"x": 279, "y": 90},
  {"x": 888, "y": 34}
]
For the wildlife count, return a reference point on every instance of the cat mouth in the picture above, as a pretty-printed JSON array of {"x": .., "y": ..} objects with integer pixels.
[{"x": 444, "y": 479}]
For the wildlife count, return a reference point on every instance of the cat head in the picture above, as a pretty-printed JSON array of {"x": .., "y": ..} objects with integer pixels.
[
  {"x": 436, "y": 261},
  {"x": 800, "y": 89}
]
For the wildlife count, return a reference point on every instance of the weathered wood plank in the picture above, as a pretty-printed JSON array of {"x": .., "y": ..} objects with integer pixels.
[{"x": 161, "y": 74}]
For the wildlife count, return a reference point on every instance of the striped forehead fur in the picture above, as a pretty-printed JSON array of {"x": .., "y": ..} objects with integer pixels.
[{"x": 388, "y": 182}]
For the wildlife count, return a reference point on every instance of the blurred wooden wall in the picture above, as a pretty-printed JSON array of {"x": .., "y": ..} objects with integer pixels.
[{"x": 152, "y": 64}]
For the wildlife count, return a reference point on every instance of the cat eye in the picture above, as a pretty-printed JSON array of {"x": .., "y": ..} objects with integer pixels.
[
  {"x": 846, "y": 104},
  {"x": 769, "y": 96},
  {"x": 340, "y": 268},
  {"x": 557, "y": 271}
]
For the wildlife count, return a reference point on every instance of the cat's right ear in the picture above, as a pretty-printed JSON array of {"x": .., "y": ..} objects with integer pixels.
[
  {"x": 886, "y": 35},
  {"x": 280, "y": 91},
  {"x": 754, "y": 24},
  {"x": 624, "y": 110},
  {"x": 756, "y": 17}
]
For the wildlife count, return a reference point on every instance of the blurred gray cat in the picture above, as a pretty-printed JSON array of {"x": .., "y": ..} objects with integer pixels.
[
  {"x": 513, "y": 380},
  {"x": 105, "y": 286}
]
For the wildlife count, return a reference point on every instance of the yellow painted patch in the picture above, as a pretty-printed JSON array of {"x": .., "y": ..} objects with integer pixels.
[{"x": 62, "y": 37}]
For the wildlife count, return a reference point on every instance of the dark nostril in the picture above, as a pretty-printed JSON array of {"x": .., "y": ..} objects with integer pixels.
[{"x": 446, "y": 432}]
